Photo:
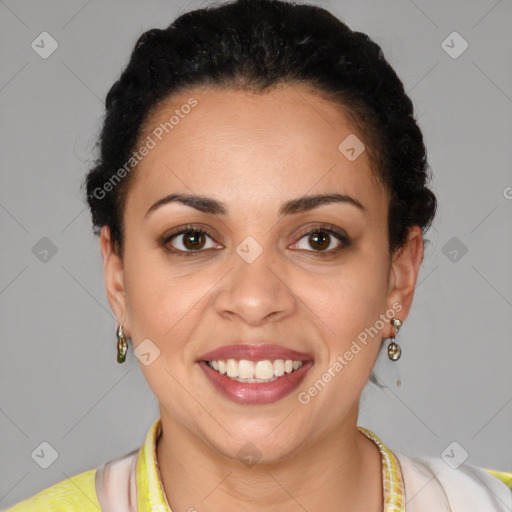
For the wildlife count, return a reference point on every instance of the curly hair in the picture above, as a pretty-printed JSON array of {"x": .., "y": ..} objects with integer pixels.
[{"x": 257, "y": 45}]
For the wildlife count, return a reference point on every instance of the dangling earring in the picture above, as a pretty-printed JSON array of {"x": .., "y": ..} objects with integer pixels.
[
  {"x": 394, "y": 350},
  {"x": 122, "y": 346}
]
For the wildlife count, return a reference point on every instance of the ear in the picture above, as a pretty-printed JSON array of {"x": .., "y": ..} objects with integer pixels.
[
  {"x": 403, "y": 274},
  {"x": 114, "y": 277}
]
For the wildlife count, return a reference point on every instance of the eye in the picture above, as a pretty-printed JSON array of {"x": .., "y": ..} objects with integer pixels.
[
  {"x": 191, "y": 240},
  {"x": 187, "y": 241},
  {"x": 324, "y": 239}
]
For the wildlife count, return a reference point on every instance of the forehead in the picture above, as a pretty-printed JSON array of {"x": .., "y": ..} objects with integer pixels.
[{"x": 237, "y": 145}]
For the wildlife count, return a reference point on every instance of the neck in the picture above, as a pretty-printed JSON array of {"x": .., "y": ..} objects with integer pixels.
[{"x": 341, "y": 472}]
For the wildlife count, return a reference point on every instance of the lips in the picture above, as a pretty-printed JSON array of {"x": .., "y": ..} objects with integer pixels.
[
  {"x": 254, "y": 352},
  {"x": 255, "y": 393}
]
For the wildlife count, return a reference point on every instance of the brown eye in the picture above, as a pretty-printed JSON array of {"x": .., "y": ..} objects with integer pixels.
[
  {"x": 320, "y": 240},
  {"x": 323, "y": 240},
  {"x": 193, "y": 241},
  {"x": 188, "y": 241}
]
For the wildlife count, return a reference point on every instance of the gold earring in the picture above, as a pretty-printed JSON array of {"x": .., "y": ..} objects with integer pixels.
[
  {"x": 394, "y": 350},
  {"x": 122, "y": 346}
]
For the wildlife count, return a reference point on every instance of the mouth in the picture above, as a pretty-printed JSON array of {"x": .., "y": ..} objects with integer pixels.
[
  {"x": 255, "y": 374},
  {"x": 244, "y": 370}
]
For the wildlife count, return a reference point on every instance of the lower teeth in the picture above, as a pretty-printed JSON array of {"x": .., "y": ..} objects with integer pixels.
[{"x": 238, "y": 379}]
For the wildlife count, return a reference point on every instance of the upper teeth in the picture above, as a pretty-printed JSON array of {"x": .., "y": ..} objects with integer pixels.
[{"x": 246, "y": 369}]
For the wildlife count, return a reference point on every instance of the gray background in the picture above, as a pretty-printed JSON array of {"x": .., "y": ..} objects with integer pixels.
[{"x": 59, "y": 379}]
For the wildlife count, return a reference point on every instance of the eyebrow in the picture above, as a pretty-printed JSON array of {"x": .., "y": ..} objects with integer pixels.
[{"x": 214, "y": 207}]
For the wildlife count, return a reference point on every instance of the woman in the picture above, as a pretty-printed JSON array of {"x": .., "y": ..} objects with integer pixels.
[{"x": 261, "y": 199}]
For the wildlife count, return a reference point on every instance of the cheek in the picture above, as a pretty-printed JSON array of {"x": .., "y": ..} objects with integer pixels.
[
  {"x": 159, "y": 304},
  {"x": 163, "y": 305},
  {"x": 347, "y": 299},
  {"x": 346, "y": 307}
]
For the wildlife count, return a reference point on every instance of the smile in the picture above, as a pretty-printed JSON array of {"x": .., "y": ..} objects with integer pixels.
[
  {"x": 252, "y": 390},
  {"x": 244, "y": 370}
]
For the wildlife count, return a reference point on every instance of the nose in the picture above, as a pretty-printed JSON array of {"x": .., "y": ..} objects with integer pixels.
[{"x": 255, "y": 292}]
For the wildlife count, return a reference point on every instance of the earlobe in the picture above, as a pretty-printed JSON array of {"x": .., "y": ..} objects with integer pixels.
[
  {"x": 114, "y": 276},
  {"x": 404, "y": 272}
]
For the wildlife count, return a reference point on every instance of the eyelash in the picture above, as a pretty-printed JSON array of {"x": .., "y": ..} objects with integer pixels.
[{"x": 324, "y": 228}]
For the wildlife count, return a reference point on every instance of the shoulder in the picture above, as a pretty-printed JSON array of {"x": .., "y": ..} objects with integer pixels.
[
  {"x": 77, "y": 493},
  {"x": 464, "y": 487}
]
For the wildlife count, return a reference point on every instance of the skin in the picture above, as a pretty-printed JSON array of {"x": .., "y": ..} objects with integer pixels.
[{"x": 253, "y": 152}]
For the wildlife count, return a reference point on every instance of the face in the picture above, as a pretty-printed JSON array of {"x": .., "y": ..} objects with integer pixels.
[{"x": 257, "y": 264}]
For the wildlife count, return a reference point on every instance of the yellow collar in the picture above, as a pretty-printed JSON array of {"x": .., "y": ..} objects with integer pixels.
[
  {"x": 151, "y": 496},
  {"x": 393, "y": 482},
  {"x": 150, "y": 491}
]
